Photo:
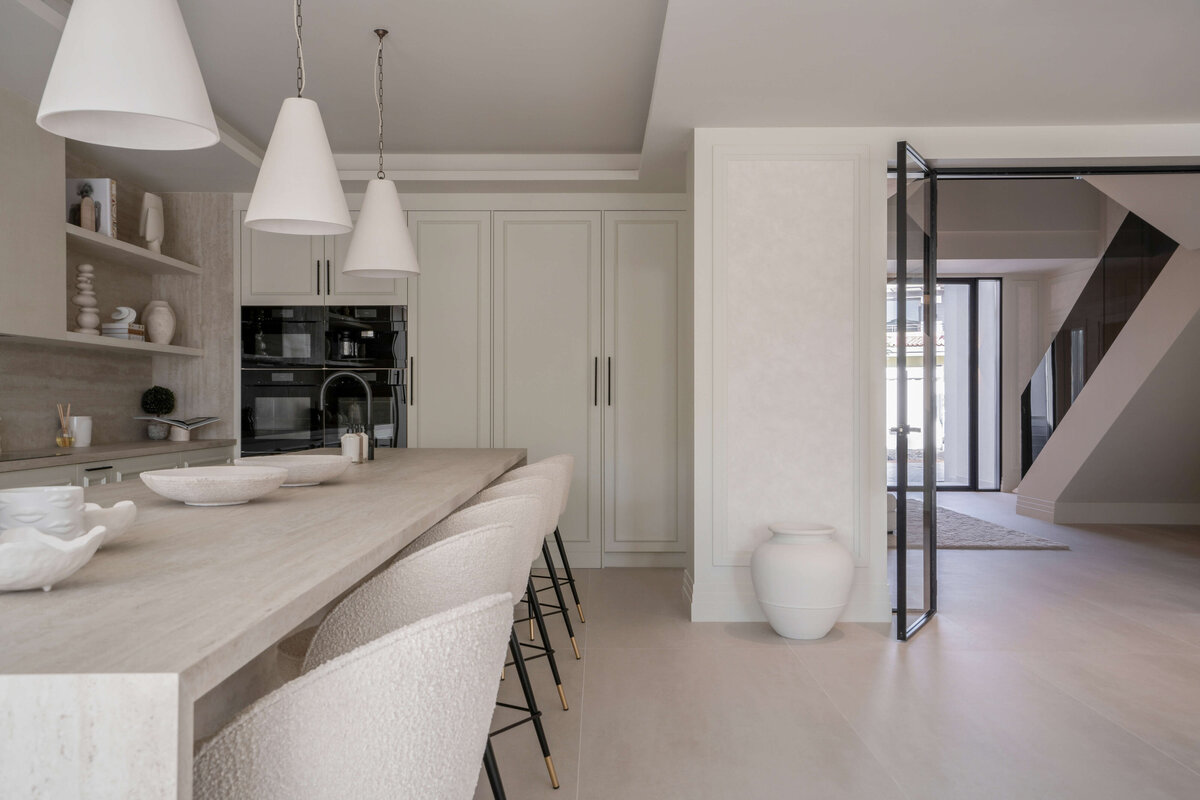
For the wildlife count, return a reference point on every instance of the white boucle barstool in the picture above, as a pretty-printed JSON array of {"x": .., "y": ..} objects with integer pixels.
[
  {"x": 455, "y": 566},
  {"x": 524, "y": 509},
  {"x": 405, "y": 715},
  {"x": 559, "y": 469}
]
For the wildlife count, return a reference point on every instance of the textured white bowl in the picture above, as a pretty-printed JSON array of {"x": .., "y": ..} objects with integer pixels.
[
  {"x": 30, "y": 559},
  {"x": 115, "y": 519},
  {"x": 54, "y": 510},
  {"x": 302, "y": 470},
  {"x": 215, "y": 486}
]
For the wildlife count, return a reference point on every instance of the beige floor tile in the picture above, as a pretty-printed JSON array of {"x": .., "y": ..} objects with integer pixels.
[
  {"x": 1156, "y": 696},
  {"x": 956, "y": 724},
  {"x": 716, "y": 723}
]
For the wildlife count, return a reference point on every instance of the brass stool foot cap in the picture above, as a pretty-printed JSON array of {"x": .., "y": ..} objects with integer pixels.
[
  {"x": 579, "y": 608},
  {"x": 553, "y": 774},
  {"x": 573, "y": 644},
  {"x": 563, "y": 697}
]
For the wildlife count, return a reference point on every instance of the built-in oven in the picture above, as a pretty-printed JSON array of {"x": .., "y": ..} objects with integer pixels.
[
  {"x": 346, "y": 407},
  {"x": 283, "y": 336},
  {"x": 365, "y": 337},
  {"x": 281, "y": 410}
]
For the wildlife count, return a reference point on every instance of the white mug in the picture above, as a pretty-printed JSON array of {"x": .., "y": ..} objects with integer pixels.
[
  {"x": 53, "y": 510},
  {"x": 81, "y": 429}
]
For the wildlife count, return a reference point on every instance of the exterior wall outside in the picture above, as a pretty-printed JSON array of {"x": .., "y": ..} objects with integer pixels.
[{"x": 797, "y": 481}]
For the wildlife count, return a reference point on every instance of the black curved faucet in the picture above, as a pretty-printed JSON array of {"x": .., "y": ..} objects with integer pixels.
[{"x": 367, "y": 389}]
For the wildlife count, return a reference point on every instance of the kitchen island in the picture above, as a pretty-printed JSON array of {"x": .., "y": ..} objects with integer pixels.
[{"x": 99, "y": 676}]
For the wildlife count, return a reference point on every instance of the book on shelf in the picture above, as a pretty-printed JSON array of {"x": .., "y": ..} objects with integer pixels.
[{"x": 186, "y": 424}]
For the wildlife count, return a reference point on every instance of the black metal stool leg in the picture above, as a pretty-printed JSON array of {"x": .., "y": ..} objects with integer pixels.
[
  {"x": 562, "y": 604},
  {"x": 514, "y": 646},
  {"x": 541, "y": 624},
  {"x": 493, "y": 772},
  {"x": 562, "y": 552}
]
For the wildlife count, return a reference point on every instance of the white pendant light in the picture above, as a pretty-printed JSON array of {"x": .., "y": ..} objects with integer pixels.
[
  {"x": 125, "y": 75},
  {"x": 298, "y": 190},
  {"x": 381, "y": 246}
]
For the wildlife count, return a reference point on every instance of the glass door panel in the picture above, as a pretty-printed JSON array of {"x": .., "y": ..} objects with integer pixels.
[{"x": 913, "y": 345}]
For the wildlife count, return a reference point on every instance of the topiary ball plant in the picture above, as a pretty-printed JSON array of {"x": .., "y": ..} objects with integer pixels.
[{"x": 158, "y": 400}]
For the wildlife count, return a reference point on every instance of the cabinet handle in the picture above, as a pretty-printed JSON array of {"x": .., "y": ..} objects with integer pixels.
[
  {"x": 412, "y": 381},
  {"x": 596, "y": 381},
  {"x": 318, "y": 276},
  {"x": 610, "y": 380},
  {"x": 96, "y": 469},
  {"x": 328, "y": 282}
]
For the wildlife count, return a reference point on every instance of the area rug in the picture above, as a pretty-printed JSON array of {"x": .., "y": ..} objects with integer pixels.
[{"x": 957, "y": 531}]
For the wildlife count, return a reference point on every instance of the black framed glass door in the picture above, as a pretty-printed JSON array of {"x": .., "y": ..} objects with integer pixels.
[{"x": 914, "y": 344}]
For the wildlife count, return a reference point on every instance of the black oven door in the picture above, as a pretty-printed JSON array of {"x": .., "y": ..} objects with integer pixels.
[
  {"x": 283, "y": 336},
  {"x": 346, "y": 407},
  {"x": 280, "y": 410},
  {"x": 366, "y": 337}
]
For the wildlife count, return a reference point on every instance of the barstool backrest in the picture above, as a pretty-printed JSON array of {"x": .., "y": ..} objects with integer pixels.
[
  {"x": 544, "y": 488},
  {"x": 557, "y": 468},
  {"x": 406, "y": 715},
  {"x": 474, "y": 562},
  {"x": 524, "y": 511}
]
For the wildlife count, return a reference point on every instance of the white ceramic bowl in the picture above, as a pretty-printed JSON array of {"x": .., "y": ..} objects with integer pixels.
[
  {"x": 30, "y": 559},
  {"x": 54, "y": 510},
  {"x": 215, "y": 486},
  {"x": 115, "y": 519},
  {"x": 302, "y": 470}
]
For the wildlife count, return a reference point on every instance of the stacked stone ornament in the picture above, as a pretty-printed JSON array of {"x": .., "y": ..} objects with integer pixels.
[{"x": 88, "y": 318}]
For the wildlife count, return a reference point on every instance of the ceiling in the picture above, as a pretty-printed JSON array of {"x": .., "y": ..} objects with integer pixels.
[{"x": 632, "y": 78}]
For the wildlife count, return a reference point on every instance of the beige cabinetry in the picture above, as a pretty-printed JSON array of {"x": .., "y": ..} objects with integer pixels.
[
  {"x": 546, "y": 353},
  {"x": 114, "y": 470},
  {"x": 450, "y": 330},
  {"x": 642, "y": 264},
  {"x": 284, "y": 270}
]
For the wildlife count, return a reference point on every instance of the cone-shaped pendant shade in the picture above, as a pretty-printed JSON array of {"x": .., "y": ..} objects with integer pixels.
[
  {"x": 125, "y": 75},
  {"x": 381, "y": 246},
  {"x": 298, "y": 190}
]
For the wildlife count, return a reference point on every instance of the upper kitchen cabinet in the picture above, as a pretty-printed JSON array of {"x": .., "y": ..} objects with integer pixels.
[
  {"x": 284, "y": 270},
  {"x": 449, "y": 330}
]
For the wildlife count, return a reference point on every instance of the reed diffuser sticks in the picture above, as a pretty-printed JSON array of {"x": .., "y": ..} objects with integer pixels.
[{"x": 64, "y": 437}]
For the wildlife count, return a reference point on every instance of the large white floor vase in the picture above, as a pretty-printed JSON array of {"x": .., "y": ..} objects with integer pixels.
[{"x": 802, "y": 578}]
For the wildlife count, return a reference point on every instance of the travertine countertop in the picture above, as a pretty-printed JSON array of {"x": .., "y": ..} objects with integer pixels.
[
  {"x": 61, "y": 456},
  {"x": 198, "y": 592}
]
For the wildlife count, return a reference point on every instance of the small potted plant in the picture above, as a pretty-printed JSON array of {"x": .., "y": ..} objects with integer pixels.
[{"x": 158, "y": 400}]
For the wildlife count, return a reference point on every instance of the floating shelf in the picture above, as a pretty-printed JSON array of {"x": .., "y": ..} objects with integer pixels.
[
  {"x": 130, "y": 345},
  {"x": 97, "y": 245}
]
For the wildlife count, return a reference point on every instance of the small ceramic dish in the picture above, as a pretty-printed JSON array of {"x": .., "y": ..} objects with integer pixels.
[
  {"x": 30, "y": 559},
  {"x": 214, "y": 486},
  {"x": 302, "y": 470},
  {"x": 115, "y": 519}
]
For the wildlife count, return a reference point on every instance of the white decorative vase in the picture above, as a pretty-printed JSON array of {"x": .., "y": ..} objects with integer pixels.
[
  {"x": 159, "y": 319},
  {"x": 158, "y": 430},
  {"x": 802, "y": 578}
]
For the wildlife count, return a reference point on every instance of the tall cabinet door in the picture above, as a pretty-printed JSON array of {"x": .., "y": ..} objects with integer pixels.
[
  {"x": 642, "y": 262},
  {"x": 450, "y": 330},
  {"x": 547, "y": 352},
  {"x": 280, "y": 269},
  {"x": 348, "y": 290}
]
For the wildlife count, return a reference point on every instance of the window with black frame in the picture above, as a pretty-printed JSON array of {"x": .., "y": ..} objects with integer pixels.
[{"x": 967, "y": 392}]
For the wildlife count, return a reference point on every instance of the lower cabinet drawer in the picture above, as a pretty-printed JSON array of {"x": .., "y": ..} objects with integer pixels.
[{"x": 46, "y": 476}]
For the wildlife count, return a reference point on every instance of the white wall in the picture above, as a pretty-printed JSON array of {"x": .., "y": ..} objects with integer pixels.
[{"x": 785, "y": 218}]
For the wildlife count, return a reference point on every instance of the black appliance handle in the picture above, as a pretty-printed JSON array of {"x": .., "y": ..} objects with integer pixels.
[
  {"x": 412, "y": 381},
  {"x": 318, "y": 276},
  {"x": 328, "y": 282},
  {"x": 596, "y": 381},
  {"x": 610, "y": 380}
]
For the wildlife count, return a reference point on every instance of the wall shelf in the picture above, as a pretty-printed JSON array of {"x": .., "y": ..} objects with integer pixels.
[
  {"x": 97, "y": 245},
  {"x": 86, "y": 340}
]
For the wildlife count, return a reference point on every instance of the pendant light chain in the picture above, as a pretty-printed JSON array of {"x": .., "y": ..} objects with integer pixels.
[
  {"x": 299, "y": 51},
  {"x": 379, "y": 97}
]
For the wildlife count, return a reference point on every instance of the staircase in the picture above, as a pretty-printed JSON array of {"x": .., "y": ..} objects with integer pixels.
[{"x": 1122, "y": 278}]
